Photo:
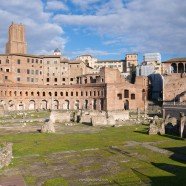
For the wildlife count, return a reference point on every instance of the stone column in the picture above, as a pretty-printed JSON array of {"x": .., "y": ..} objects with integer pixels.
[{"x": 176, "y": 68}]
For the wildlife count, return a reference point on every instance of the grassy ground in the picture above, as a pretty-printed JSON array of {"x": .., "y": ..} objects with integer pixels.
[{"x": 90, "y": 159}]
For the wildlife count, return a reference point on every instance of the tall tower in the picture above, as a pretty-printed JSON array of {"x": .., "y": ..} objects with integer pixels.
[{"x": 16, "y": 41}]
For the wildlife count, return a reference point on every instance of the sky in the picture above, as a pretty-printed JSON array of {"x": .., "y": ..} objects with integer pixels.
[{"x": 106, "y": 29}]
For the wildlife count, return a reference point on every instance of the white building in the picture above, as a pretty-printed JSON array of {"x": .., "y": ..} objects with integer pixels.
[{"x": 152, "y": 58}]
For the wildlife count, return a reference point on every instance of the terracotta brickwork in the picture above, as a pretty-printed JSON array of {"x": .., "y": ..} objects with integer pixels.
[
  {"x": 16, "y": 40},
  {"x": 120, "y": 94},
  {"x": 174, "y": 75},
  {"x": 174, "y": 87},
  {"x": 29, "y": 82}
]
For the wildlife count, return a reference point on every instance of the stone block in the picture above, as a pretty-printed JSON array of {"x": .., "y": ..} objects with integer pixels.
[
  {"x": 119, "y": 115},
  {"x": 86, "y": 119},
  {"x": 60, "y": 117},
  {"x": 5, "y": 154},
  {"x": 153, "y": 129},
  {"x": 48, "y": 127},
  {"x": 99, "y": 121},
  {"x": 111, "y": 121}
]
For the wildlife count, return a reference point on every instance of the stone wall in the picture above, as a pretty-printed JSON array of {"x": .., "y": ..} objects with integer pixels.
[
  {"x": 173, "y": 110},
  {"x": 102, "y": 118},
  {"x": 60, "y": 117},
  {"x": 119, "y": 115},
  {"x": 5, "y": 154},
  {"x": 99, "y": 121},
  {"x": 121, "y": 94},
  {"x": 174, "y": 85}
]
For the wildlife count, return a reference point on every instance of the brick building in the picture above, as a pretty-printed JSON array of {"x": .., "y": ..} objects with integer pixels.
[
  {"x": 29, "y": 82},
  {"x": 174, "y": 86}
]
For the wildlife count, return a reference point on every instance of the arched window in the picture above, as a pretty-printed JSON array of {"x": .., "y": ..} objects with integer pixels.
[
  {"x": 174, "y": 67},
  {"x": 180, "y": 68}
]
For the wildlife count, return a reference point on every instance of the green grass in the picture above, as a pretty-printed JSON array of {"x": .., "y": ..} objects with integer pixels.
[
  {"x": 143, "y": 166},
  {"x": 42, "y": 144},
  {"x": 56, "y": 182},
  {"x": 36, "y": 143}
]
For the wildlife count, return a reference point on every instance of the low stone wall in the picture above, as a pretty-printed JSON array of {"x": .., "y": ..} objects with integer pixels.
[
  {"x": 94, "y": 118},
  {"x": 99, "y": 121},
  {"x": 86, "y": 119},
  {"x": 60, "y": 117},
  {"x": 5, "y": 154},
  {"x": 119, "y": 115}
]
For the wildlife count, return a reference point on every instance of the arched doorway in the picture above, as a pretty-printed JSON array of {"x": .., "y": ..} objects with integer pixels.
[
  {"x": 86, "y": 104},
  {"x": 55, "y": 105},
  {"x": 20, "y": 106},
  {"x": 76, "y": 105},
  {"x": 174, "y": 67},
  {"x": 66, "y": 105},
  {"x": 102, "y": 104},
  {"x": 180, "y": 68},
  {"x": 11, "y": 105},
  {"x": 44, "y": 104},
  {"x": 31, "y": 105},
  {"x": 126, "y": 105},
  {"x": 94, "y": 104}
]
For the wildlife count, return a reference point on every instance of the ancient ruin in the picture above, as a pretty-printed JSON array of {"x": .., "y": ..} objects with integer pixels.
[
  {"x": 43, "y": 82},
  {"x": 5, "y": 154},
  {"x": 182, "y": 125}
]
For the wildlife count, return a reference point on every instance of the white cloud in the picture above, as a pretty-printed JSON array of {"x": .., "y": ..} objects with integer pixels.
[
  {"x": 158, "y": 25},
  {"x": 56, "y": 5},
  {"x": 41, "y": 33},
  {"x": 93, "y": 52}
]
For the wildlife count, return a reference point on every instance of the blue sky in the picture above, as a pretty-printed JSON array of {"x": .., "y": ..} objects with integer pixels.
[{"x": 107, "y": 29}]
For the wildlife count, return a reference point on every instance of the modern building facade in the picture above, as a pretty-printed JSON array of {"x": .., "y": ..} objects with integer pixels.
[{"x": 151, "y": 67}]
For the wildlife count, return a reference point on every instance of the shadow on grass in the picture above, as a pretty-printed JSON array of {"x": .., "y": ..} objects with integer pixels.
[
  {"x": 145, "y": 124},
  {"x": 142, "y": 132},
  {"x": 179, "y": 154},
  {"x": 178, "y": 177},
  {"x": 172, "y": 136},
  {"x": 87, "y": 124}
]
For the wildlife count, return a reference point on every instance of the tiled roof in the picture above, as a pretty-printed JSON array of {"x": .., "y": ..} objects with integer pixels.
[{"x": 176, "y": 60}]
